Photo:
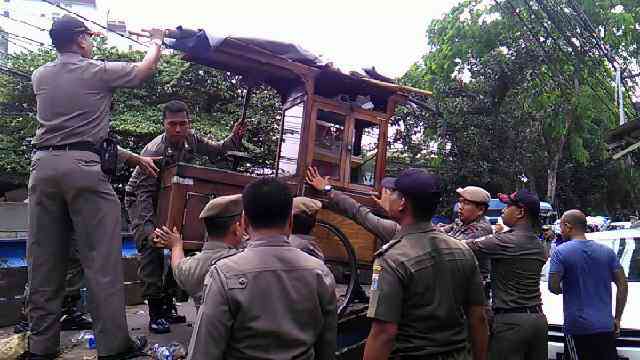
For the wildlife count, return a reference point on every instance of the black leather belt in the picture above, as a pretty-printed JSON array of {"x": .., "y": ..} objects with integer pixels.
[
  {"x": 76, "y": 146},
  {"x": 520, "y": 310}
]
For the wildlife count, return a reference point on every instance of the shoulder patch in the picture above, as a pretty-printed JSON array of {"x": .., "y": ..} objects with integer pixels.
[
  {"x": 386, "y": 247},
  {"x": 237, "y": 282}
]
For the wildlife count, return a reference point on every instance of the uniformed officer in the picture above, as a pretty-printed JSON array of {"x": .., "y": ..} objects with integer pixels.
[
  {"x": 305, "y": 211},
  {"x": 270, "y": 300},
  {"x": 383, "y": 229},
  {"x": 519, "y": 329},
  {"x": 70, "y": 195},
  {"x": 221, "y": 217},
  {"x": 423, "y": 283},
  {"x": 178, "y": 143},
  {"x": 471, "y": 223}
]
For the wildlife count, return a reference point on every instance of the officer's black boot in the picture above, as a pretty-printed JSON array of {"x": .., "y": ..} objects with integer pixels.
[
  {"x": 158, "y": 323},
  {"x": 72, "y": 318},
  {"x": 171, "y": 312}
]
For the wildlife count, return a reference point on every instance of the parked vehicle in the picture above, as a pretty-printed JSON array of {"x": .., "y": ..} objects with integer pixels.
[
  {"x": 547, "y": 214},
  {"x": 619, "y": 225},
  {"x": 626, "y": 243}
]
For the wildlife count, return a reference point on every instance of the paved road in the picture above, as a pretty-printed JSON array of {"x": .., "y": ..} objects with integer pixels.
[{"x": 138, "y": 320}]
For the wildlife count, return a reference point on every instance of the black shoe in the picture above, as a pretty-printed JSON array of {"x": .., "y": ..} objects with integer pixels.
[
  {"x": 159, "y": 326},
  {"x": 31, "y": 356},
  {"x": 21, "y": 327},
  {"x": 171, "y": 313},
  {"x": 174, "y": 318},
  {"x": 136, "y": 350},
  {"x": 77, "y": 321}
]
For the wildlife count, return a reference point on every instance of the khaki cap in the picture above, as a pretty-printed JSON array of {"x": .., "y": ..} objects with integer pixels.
[
  {"x": 306, "y": 205},
  {"x": 222, "y": 207},
  {"x": 475, "y": 194}
]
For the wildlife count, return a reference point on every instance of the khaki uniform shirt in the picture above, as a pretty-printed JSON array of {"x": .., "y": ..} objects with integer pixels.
[
  {"x": 142, "y": 189},
  {"x": 307, "y": 244},
  {"x": 382, "y": 228},
  {"x": 517, "y": 257},
  {"x": 270, "y": 301},
  {"x": 478, "y": 228},
  {"x": 74, "y": 98},
  {"x": 191, "y": 271},
  {"x": 424, "y": 280}
]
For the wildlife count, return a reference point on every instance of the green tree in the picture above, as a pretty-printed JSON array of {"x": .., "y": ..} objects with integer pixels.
[
  {"x": 536, "y": 97},
  {"x": 214, "y": 97}
]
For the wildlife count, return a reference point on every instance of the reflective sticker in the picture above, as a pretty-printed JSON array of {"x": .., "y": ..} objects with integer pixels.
[{"x": 374, "y": 282}]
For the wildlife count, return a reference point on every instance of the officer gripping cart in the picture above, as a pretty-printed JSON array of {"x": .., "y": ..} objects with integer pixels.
[
  {"x": 270, "y": 301},
  {"x": 70, "y": 195},
  {"x": 424, "y": 282},
  {"x": 178, "y": 143},
  {"x": 519, "y": 329},
  {"x": 221, "y": 217}
]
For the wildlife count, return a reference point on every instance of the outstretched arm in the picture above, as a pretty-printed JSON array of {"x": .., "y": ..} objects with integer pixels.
[{"x": 383, "y": 228}]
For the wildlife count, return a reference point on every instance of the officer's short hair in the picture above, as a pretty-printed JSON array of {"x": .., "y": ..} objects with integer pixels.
[
  {"x": 219, "y": 227},
  {"x": 303, "y": 223},
  {"x": 424, "y": 206},
  {"x": 174, "y": 106},
  {"x": 65, "y": 42},
  {"x": 267, "y": 203}
]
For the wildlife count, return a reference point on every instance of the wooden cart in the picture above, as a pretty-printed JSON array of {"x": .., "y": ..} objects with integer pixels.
[{"x": 330, "y": 120}]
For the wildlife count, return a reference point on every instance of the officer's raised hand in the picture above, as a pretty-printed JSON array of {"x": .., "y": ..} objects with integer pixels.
[
  {"x": 167, "y": 238},
  {"x": 384, "y": 200},
  {"x": 314, "y": 179}
]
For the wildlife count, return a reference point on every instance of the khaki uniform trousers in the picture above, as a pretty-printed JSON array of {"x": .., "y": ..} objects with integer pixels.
[
  {"x": 74, "y": 281},
  {"x": 519, "y": 336},
  {"x": 70, "y": 196}
]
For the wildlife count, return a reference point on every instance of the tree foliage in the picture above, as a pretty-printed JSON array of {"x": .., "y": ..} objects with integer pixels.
[
  {"x": 525, "y": 98},
  {"x": 214, "y": 98}
]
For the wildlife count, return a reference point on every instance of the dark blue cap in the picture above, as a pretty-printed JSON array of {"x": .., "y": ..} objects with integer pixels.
[
  {"x": 414, "y": 183},
  {"x": 523, "y": 198},
  {"x": 67, "y": 27}
]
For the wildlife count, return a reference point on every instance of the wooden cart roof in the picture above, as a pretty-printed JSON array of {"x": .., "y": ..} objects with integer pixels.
[{"x": 283, "y": 66}]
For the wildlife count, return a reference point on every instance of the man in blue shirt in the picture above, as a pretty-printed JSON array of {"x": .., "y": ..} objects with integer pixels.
[{"x": 582, "y": 271}]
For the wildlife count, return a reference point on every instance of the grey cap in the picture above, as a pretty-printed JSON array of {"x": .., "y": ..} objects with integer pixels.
[{"x": 222, "y": 207}]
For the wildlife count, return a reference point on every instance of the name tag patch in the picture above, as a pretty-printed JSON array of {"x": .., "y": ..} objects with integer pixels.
[{"x": 377, "y": 269}]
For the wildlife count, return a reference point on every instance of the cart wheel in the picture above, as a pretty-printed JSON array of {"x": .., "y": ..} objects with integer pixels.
[{"x": 353, "y": 282}]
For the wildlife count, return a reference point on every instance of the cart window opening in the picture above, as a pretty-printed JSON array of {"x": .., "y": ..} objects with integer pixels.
[
  {"x": 364, "y": 153},
  {"x": 290, "y": 147},
  {"x": 329, "y": 140}
]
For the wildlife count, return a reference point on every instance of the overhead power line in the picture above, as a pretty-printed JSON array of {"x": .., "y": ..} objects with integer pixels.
[
  {"x": 10, "y": 41},
  {"x": 24, "y": 22},
  {"x": 93, "y": 22},
  {"x": 25, "y": 38}
]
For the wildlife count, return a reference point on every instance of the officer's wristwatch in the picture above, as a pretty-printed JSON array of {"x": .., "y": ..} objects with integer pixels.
[{"x": 327, "y": 188}]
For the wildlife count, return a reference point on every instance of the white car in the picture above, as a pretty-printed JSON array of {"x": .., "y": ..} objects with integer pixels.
[{"x": 626, "y": 243}]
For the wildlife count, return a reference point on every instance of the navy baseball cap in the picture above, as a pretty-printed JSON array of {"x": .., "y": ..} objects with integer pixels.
[
  {"x": 414, "y": 183},
  {"x": 66, "y": 27},
  {"x": 524, "y": 199}
]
